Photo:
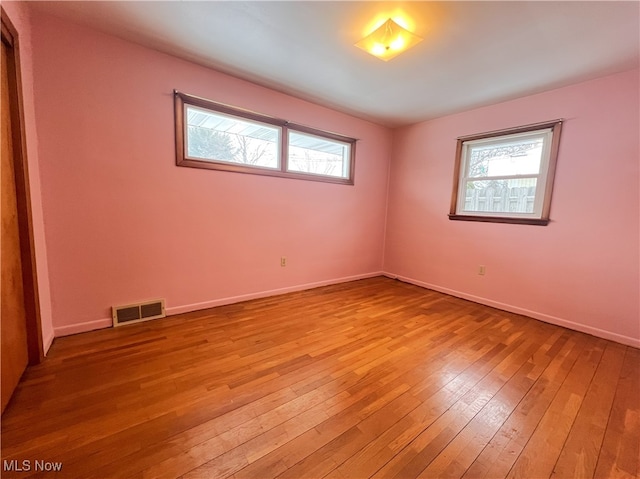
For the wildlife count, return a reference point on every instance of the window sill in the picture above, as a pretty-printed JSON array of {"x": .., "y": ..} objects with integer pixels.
[
  {"x": 256, "y": 170},
  {"x": 501, "y": 219}
]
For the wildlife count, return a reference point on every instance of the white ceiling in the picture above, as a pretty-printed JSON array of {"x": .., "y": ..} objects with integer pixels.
[{"x": 473, "y": 53}]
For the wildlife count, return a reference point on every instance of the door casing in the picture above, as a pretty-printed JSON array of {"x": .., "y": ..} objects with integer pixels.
[{"x": 25, "y": 226}]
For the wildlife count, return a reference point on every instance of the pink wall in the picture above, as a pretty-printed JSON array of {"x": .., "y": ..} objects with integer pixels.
[
  {"x": 125, "y": 224},
  {"x": 580, "y": 271},
  {"x": 19, "y": 17}
]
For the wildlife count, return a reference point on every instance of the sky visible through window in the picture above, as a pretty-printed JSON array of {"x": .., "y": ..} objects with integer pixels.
[
  {"x": 522, "y": 158},
  {"x": 502, "y": 177},
  {"x": 219, "y": 137}
]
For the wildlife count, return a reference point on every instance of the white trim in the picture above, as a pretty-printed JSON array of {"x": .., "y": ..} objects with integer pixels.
[
  {"x": 278, "y": 130},
  {"x": 108, "y": 322},
  {"x": 601, "y": 333},
  {"x": 346, "y": 154},
  {"x": 47, "y": 342},
  {"x": 545, "y": 134},
  {"x": 82, "y": 327},
  {"x": 265, "y": 294},
  {"x": 500, "y": 139}
]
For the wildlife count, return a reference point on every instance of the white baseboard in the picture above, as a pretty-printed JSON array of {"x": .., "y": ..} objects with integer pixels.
[
  {"x": 601, "y": 333},
  {"x": 108, "y": 322},
  {"x": 82, "y": 327},
  {"x": 47, "y": 342},
  {"x": 264, "y": 294}
]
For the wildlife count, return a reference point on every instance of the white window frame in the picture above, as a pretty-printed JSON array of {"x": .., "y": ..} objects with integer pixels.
[
  {"x": 184, "y": 101},
  {"x": 346, "y": 163},
  {"x": 277, "y": 142},
  {"x": 550, "y": 134}
]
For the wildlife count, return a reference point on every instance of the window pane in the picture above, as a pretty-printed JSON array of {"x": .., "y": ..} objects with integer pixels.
[
  {"x": 311, "y": 154},
  {"x": 218, "y": 137},
  {"x": 500, "y": 196},
  {"x": 520, "y": 157}
]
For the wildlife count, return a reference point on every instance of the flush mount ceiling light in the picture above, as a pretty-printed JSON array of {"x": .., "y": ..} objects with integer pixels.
[{"x": 388, "y": 40}]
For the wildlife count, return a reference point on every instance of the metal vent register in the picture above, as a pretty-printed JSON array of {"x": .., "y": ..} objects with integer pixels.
[{"x": 135, "y": 313}]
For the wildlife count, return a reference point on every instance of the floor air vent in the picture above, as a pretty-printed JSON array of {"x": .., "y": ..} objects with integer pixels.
[{"x": 135, "y": 313}]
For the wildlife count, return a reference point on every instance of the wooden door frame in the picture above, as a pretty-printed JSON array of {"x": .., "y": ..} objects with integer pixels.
[{"x": 25, "y": 223}]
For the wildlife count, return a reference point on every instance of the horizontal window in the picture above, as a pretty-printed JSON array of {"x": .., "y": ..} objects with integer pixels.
[
  {"x": 318, "y": 156},
  {"x": 506, "y": 176},
  {"x": 215, "y": 136}
]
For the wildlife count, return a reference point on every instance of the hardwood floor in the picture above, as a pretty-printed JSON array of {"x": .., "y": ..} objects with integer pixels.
[{"x": 374, "y": 378}]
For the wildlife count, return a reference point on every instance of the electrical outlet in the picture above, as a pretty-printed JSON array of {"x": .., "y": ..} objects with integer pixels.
[
  {"x": 283, "y": 261},
  {"x": 482, "y": 269}
]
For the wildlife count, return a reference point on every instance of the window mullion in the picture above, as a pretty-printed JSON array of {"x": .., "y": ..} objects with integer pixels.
[
  {"x": 216, "y": 136},
  {"x": 284, "y": 149}
]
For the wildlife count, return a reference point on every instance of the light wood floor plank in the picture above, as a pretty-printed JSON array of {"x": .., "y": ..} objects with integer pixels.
[
  {"x": 619, "y": 456},
  {"x": 580, "y": 451},
  {"x": 374, "y": 378}
]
